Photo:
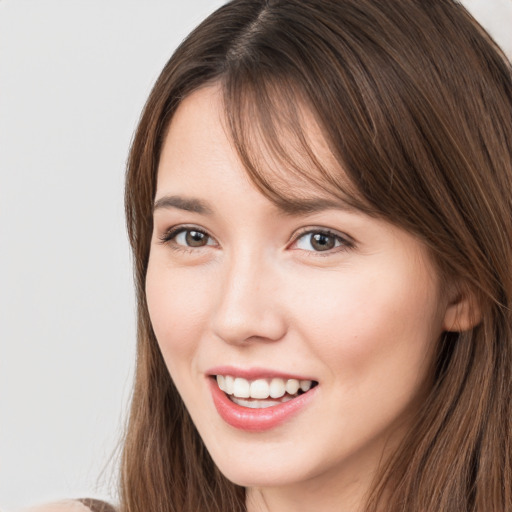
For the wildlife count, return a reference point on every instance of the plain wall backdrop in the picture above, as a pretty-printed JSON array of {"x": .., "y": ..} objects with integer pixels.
[{"x": 74, "y": 75}]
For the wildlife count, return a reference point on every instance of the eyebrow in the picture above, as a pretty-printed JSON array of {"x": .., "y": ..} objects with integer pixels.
[
  {"x": 293, "y": 206},
  {"x": 304, "y": 206},
  {"x": 183, "y": 203}
]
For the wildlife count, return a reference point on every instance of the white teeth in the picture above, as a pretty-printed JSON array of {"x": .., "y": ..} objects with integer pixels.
[
  {"x": 260, "y": 404},
  {"x": 228, "y": 384},
  {"x": 241, "y": 388},
  {"x": 305, "y": 385},
  {"x": 292, "y": 386},
  {"x": 277, "y": 388},
  {"x": 255, "y": 404},
  {"x": 221, "y": 381},
  {"x": 261, "y": 388}
]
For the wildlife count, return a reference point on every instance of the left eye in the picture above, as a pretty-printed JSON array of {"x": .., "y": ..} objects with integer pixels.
[{"x": 319, "y": 241}]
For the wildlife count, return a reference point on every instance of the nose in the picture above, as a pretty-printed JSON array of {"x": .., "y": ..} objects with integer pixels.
[{"x": 248, "y": 306}]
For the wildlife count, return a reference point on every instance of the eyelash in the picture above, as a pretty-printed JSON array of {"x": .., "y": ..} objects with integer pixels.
[{"x": 345, "y": 243}]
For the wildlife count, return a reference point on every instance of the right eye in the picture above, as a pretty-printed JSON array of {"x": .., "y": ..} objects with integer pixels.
[{"x": 188, "y": 238}]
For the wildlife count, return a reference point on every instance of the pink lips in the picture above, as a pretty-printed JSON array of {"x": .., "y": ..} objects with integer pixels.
[
  {"x": 254, "y": 373},
  {"x": 256, "y": 420}
]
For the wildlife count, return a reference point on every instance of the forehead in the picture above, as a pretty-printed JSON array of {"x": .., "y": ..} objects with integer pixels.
[{"x": 286, "y": 155}]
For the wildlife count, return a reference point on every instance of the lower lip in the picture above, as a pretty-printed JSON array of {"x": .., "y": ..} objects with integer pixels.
[{"x": 257, "y": 420}]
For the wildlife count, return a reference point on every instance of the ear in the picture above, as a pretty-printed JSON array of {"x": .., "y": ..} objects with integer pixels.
[{"x": 463, "y": 311}]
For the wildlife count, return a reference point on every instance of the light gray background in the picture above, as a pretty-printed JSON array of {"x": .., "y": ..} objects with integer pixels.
[{"x": 74, "y": 75}]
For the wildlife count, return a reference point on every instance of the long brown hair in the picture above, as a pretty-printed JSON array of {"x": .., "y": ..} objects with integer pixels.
[{"x": 415, "y": 103}]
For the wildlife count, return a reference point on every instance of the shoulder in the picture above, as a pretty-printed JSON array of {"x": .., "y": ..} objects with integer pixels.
[
  {"x": 83, "y": 505},
  {"x": 59, "y": 506}
]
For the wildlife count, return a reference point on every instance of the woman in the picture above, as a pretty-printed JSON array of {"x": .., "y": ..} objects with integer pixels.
[{"x": 318, "y": 201}]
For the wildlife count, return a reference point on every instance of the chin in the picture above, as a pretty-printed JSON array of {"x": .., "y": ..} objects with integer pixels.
[
  {"x": 266, "y": 463},
  {"x": 260, "y": 475}
]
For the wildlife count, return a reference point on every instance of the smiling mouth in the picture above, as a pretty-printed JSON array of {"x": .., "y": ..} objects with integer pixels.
[{"x": 262, "y": 393}]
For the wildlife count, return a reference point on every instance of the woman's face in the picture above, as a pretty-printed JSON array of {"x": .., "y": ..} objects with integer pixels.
[{"x": 342, "y": 305}]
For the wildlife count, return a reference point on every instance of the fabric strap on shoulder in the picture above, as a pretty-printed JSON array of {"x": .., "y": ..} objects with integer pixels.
[{"x": 97, "y": 505}]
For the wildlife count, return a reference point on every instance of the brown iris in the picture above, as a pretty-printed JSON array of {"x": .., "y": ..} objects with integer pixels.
[
  {"x": 196, "y": 238},
  {"x": 322, "y": 241}
]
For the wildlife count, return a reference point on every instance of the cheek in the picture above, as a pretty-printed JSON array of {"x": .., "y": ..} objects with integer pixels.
[
  {"x": 178, "y": 310},
  {"x": 375, "y": 338},
  {"x": 372, "y": 324}
]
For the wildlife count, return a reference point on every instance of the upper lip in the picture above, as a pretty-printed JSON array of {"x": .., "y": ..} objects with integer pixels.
[{"x": 255, "y": 373}]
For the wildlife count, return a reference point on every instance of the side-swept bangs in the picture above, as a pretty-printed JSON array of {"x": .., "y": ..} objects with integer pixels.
[{"x": 406, "y": 109}]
